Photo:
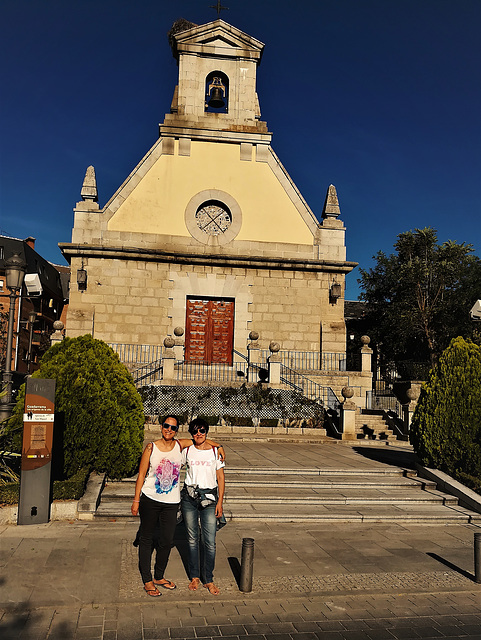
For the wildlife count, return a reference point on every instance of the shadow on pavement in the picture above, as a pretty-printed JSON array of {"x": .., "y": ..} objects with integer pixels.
[
  {"x": 388, "y": 456},
  {"x": 235, "y": 567},
  {"x": 451, "y": 565}
]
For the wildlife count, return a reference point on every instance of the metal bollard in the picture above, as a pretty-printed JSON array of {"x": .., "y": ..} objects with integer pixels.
[
  {"x": 247, "y": 565},
  {"x": 477, "y": 557}
]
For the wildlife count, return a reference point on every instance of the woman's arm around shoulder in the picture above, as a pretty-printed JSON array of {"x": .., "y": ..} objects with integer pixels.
[
  {"x": 219, "y": 447},
  {"x": 143, "y": 468}
]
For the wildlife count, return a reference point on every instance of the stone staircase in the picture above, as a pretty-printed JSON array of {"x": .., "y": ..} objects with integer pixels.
[
  {"x": 282, "y": 494},
  {"x": 372, "y": 426}
]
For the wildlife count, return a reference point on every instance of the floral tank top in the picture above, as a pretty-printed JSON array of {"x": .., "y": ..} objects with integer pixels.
[{"x": 162, "y": 480}]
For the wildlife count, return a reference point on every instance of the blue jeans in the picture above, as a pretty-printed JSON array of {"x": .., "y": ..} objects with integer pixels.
[{"x": 193, "y": 513}]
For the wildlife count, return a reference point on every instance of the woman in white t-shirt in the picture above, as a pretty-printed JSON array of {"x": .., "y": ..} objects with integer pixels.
[
  {"x": 156, "y": 500},
  {"x": 202, "y": 498}
]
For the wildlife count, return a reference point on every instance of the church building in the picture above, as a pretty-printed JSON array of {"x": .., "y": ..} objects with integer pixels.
[{"x": 209, "y": 233}]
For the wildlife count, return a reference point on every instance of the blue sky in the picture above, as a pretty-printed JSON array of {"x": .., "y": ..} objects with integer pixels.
[{"x": 381, "y": 98}]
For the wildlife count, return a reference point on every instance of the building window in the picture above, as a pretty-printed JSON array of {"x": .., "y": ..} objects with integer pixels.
[{"x": 213, "y": 217}]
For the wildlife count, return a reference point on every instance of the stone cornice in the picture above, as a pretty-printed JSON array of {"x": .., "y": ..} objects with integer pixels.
[{"x": 70, "y": 251}]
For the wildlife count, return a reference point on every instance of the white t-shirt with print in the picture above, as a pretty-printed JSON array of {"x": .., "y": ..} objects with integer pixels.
[{"x": 201, "y": 467}]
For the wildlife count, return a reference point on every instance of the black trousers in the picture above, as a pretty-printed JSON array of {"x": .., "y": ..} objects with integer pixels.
[{"x": 155, "y": 514}]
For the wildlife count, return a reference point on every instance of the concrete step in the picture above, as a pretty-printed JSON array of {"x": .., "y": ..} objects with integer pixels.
[{"x": 405, "y": 513}]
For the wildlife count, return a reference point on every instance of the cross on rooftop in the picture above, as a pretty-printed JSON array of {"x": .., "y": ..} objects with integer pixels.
[{"x": 218, "y": 7}]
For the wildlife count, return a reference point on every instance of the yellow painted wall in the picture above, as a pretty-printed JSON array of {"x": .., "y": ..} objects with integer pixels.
[{"x": 157, "y": 205}]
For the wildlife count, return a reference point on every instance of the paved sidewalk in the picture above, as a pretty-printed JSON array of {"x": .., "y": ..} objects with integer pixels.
[{"x": 80, "y": 580}]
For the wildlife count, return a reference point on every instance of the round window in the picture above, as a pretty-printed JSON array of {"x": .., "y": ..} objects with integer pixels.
[{"x": 213, "y": 217}]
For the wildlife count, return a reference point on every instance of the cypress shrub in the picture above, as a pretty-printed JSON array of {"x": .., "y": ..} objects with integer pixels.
[
  {"x": 446, "y": 426},
  {"x": 99, "y": 413}
]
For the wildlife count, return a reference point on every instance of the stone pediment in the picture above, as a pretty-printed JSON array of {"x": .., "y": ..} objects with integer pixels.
[{"x": 217, "y": 38}]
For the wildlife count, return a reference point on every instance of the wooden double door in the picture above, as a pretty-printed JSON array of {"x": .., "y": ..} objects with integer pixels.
[{"x": 209, "y": 330}]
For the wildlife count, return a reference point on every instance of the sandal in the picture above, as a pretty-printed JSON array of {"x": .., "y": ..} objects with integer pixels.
[
  {"x": 194, "y": 583},
  {"x": 212, "y": 588},
  {"x": 165, "y": 584},
  {"x": 153, "y": 593}
]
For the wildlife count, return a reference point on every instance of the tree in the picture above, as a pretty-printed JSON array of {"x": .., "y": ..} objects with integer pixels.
[
  {"x": 101, "y": 410},
  {"x": 419, "y": 298},
  {"x": 446, "y": 426}
]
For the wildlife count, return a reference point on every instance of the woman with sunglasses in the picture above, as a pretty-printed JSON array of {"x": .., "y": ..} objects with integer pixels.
[
  {"x": 156, "y": 500},
  {"x": 202, "y": 498}
]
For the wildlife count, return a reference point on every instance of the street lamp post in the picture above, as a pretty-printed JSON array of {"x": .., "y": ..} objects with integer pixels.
[{"x": 15, "y": 269}]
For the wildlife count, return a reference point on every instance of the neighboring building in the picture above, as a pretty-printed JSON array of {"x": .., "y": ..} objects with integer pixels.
[
  {"x": 209, "y": 233},
  {"x": 46, "y": 295}
]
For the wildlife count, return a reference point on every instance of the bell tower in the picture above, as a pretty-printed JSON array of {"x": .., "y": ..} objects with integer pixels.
[{"x": 216, "y": 93}]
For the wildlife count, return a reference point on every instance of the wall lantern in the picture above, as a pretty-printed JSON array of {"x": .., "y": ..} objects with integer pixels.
[
  {"x": 81, "y": 279},
  {"x": 336, "y": 291}
]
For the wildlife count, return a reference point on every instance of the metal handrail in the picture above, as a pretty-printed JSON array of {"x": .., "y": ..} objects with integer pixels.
[
  {"x": 146, "y": 374},
  {"x": 309, "y": 388}
]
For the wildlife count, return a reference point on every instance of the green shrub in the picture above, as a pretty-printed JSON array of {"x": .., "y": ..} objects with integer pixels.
[
  {"x": 446, "y": 426},
  {"x": 268, "y": 422},
  {"x": 99, "y": 417},
  {"x": 71, "y": 489},
  {"x": 9, "y": 493}
]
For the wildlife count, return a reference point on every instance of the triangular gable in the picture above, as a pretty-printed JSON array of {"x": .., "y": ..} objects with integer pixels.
[{"x": 217, "y": 34}]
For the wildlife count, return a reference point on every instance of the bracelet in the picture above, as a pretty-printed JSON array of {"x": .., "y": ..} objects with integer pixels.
[{"x": 135, "y": 500}]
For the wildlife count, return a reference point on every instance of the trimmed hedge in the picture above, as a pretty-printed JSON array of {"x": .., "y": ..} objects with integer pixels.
[{"x": 71, "y": 489}]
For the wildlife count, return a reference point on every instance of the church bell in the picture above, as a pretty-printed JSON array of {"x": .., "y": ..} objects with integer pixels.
[{"x": 216, "y": 94}]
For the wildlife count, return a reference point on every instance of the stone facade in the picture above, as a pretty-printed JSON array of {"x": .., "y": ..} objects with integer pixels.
[{"x": 148, "y": 250}]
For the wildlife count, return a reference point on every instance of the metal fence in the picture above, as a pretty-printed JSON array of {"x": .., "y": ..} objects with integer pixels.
[
  {"x": 310, "y": 360},
  {"x": 232, "y": 405},
  {"x": 383, "y": 402},
  {"x": 137, "y": 353},
  {"x": 186, "y": 371}
]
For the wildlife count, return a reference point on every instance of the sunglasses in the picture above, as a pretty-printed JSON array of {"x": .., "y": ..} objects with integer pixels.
[
  {"x": 199, "y": 430},
  {"x": 174, "y": 427}
]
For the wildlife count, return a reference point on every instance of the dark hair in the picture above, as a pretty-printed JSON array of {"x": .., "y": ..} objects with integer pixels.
[
  {"x": 170, "y": 416},
  {"x": 198, "y": 422}
]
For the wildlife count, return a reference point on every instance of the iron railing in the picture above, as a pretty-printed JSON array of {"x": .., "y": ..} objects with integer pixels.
[
  {"x": 383, "y": 401},
  {"x": 137, "y": 353},
  {"x": 217, "y": 372},
  {"x": 310, "y": 360},
  {"x": 309, "y": 388},
  {"x": 148, "y": 374}
]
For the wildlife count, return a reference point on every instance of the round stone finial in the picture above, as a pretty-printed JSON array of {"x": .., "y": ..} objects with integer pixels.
[
  {"x": 169, "y": 342},
  {"x": 347, "y": 392},
  {"x": 58, "y": 325},
  {"x": 411, "y": 394},
  {"x": 365, "y": 340},
  {"x": 274, "y": 347},
  {"x": 253, "y": 335},
  {"x": 178, "y": 331}
]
